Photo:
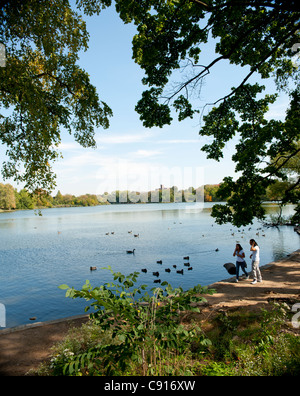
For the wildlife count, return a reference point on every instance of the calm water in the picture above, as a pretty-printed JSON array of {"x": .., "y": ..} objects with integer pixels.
[{"x": 37, "y": 254}]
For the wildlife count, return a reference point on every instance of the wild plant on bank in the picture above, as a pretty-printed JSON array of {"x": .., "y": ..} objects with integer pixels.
[{"x": 143, "y": 326}]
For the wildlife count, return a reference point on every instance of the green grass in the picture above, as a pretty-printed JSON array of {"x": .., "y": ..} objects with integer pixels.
[{"x": 241, "y": 343}]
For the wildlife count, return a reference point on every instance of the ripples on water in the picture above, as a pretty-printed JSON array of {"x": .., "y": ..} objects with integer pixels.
[{"x": 37, "y": 254}]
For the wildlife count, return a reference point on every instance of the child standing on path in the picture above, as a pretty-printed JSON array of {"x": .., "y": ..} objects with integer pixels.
[
  {"x": 240, "y": 261},
  {"x": 255, "y": 262}
]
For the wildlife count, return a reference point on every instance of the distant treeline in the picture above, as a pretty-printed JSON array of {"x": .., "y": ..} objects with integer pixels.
[
  {"x": 207, "y": 193},
  {"x": 11, "y": 199}
]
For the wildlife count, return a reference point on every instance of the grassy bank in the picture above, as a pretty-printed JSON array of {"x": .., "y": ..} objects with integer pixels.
[
  {"x": 168, "y": 335},
  {"x": 241, "y": 343}
]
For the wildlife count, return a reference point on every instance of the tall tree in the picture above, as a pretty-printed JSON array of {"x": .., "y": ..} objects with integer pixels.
[
  {"x": 47, "y": 90},
  {"x": 7, "y": 197},
  {"x": 260, "y": 34},
  {"x": 24, "y": 200},
  {"x": 42, "y": 89}
]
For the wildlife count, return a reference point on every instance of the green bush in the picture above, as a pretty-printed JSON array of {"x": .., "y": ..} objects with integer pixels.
[
  {"x": 132, "y": 332},
  {"x": 144, "y": 330}
]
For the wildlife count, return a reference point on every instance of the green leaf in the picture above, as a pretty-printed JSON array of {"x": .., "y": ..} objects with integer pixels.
[{"x": 63, "y": 287}]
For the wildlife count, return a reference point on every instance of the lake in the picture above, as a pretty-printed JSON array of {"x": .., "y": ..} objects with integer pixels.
[{"x": 39, "y": 253}]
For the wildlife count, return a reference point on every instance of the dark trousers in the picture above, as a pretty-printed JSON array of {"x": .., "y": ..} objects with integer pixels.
[{"x": 242, "y": 266}]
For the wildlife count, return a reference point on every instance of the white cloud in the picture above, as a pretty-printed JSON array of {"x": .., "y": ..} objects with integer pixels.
[
  {"x": 179, "y": 141},
  {"x": 121, "y": 139},
  {"x": 69, "y": 146},
  {"x": 146, "y": 153},
  {"x": 91, "y": 172},
  {"x": 278, "y": 110}
]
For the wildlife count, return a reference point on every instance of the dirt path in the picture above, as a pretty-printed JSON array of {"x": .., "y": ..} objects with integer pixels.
[
  {"x": 25, "y": 348},
  {"x": 281, "y": 279}
]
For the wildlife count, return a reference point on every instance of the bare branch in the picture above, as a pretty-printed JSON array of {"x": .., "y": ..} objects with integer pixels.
[
  {"x": 283, "y": 164},
  {"x": 254, "y": 69},
  {"x": 197, "y": 77},
  {"x": 62, "y": 84},
  {"x": 200, "y": 3}
]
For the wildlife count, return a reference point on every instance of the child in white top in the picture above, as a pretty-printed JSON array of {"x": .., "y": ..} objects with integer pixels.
[{"x": 255, "y": 262}]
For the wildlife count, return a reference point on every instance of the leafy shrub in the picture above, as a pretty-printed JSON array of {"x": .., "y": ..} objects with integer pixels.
[{"x": 143, "y": 329}]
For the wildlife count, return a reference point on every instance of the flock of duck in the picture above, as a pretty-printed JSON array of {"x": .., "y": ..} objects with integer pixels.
[
  {"x": 168, "y": 270},
  {"x": 242, "y": 232},
  {"x": 186, "y": 264}
]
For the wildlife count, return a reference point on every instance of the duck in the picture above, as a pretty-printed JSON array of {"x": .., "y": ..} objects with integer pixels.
[
  {"x": 93, "y": 268},
  {"x": 159, "y": 262},
  {"x": 144, "y": 270},
  {"x": 190, "y": 269},
  {"x": 186, "y": 258},
  {"x": 130, "y": 251},
  {"x": 157, "y": 281},
  {"x": 168, "y": 270},
  {"x": 217, "y": 249},
  {"x": 155, "y": 274},
  {"x": 175, "y": 266},
  {"x": 136, "y": 235},
  {"x": 187, "y": 264},
  {"x": 180, "y": 272}
]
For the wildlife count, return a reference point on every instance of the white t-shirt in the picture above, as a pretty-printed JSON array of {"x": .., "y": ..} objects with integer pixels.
[
  {"x": 255, "y": 253},
  {"x": 240, "y": 259}
]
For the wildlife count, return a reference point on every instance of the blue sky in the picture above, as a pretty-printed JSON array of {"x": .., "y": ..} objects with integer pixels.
[{"x": 129, "y": 156}]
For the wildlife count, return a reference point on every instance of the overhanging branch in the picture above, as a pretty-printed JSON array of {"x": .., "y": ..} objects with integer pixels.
[{"x": 288, "y": 5}]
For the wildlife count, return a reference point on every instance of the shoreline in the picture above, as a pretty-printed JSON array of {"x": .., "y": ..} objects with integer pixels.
[
  {"x": 25, "y": 347},
  {"x": 281, "y": 280}
]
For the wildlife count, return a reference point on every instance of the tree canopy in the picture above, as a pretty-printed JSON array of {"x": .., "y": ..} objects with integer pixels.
[
  {"x": 43, "y": 88},
  {"x": 259, "y": 34},
  {"x": 47, "y": 90}
]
